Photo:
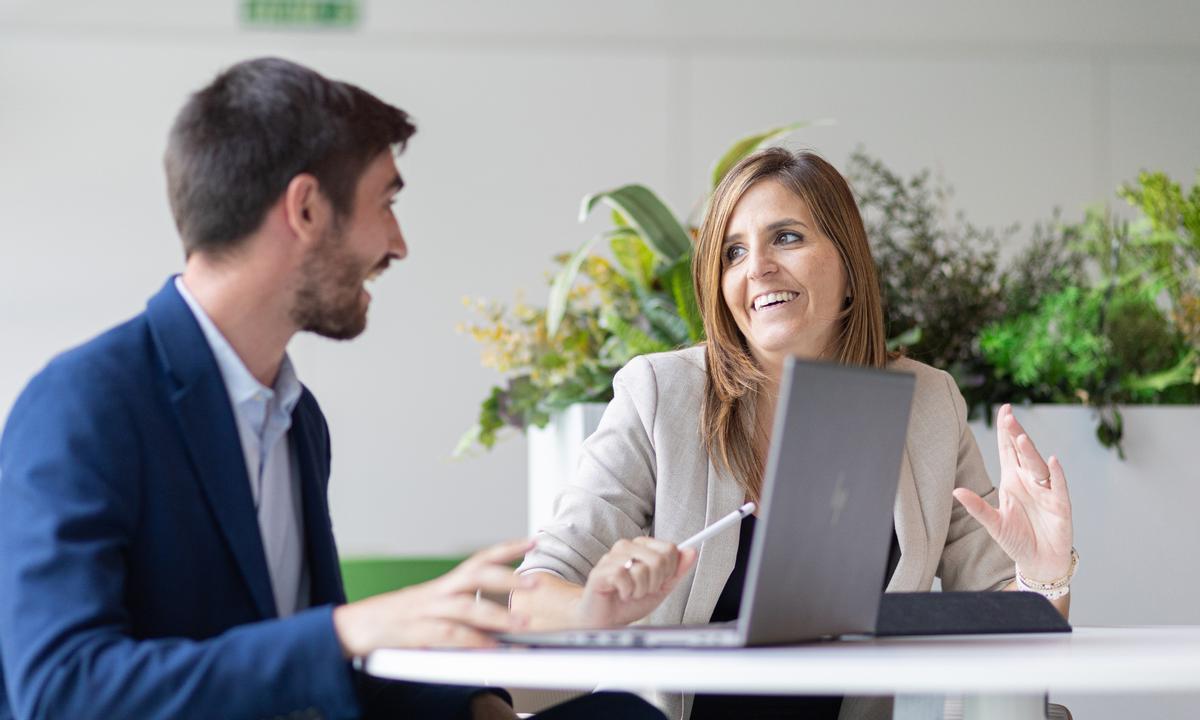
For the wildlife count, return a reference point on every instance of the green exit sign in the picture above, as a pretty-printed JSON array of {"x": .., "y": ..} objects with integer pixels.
[{"x": 301, "y": 13}]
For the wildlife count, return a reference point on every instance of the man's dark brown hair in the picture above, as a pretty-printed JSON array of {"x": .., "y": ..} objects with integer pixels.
[{"x": 238, "y": 142}]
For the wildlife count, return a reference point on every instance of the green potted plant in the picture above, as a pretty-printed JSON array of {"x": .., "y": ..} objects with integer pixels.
[
  {"x": 1124, "y": 331},
  {"x": 1092, "y": 314}
]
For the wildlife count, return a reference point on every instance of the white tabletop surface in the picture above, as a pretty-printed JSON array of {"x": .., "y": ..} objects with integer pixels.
[{"x": 1091, "y": 659}]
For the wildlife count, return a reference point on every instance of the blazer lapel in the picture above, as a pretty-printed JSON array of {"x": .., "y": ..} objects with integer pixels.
[
  {"x": 718, "y": 554},
  {"x": 308, "y": 439},
  {"x": 209, "y": 430}
]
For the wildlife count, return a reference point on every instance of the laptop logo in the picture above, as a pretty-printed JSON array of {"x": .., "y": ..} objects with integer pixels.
[{"x": 840, "y": 497}]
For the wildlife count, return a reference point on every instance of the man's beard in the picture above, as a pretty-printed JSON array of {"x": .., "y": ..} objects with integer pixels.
[{"x": 328, "y": 299}]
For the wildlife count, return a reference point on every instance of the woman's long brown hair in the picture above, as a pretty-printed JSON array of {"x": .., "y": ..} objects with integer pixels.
[{"x": 731, "y": 434}]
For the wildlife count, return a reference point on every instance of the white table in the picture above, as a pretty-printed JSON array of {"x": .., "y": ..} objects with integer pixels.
[{"x": 999, "y": 676}]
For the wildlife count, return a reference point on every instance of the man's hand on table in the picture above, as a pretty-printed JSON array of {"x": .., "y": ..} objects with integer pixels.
[{"x": 443, "y": 612}]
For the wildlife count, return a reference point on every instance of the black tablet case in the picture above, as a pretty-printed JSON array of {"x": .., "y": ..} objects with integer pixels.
[{"x": 967, "y": 613}]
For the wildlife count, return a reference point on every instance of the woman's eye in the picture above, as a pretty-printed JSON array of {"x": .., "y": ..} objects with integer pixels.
[
  {"x": 788, "y": 238},
  {"x": 733, "y": 252}
]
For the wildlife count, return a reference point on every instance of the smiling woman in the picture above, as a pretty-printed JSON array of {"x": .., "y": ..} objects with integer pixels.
[
  {"x": 782, "y": 267},
  {"x": 779, "y": 226}
]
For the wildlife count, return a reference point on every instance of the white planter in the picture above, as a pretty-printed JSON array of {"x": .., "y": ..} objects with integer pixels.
[
  {"x": 554, "y": 456},
  {"x": 1136, "y": 521}
]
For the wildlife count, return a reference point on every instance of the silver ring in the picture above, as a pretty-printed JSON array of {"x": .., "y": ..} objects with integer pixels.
[
  {"x": 629, "y": 563},
  {"x": 1043, "y": 480}
]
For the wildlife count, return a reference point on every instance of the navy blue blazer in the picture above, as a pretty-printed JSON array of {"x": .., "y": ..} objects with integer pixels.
[{"x": 133, "y": 582}]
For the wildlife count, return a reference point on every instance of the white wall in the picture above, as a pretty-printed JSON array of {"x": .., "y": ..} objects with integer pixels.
[{"x": 523, "y": 108}]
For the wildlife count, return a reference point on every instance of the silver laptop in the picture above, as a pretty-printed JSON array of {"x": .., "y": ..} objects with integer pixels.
[{"x": 821, "y": 542}]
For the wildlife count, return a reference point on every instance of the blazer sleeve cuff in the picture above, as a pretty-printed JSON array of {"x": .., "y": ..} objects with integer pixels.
[{"x": 332, "y": 678}]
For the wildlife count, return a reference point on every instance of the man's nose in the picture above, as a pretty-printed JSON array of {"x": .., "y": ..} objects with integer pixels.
[{"x": 397, "y": 246}]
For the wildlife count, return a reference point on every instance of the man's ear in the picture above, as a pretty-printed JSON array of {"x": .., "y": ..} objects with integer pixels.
[{"x": 307, "y": 211}]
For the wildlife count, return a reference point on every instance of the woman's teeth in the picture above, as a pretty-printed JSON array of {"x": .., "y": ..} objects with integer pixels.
[{"x": 763, "y": 301}]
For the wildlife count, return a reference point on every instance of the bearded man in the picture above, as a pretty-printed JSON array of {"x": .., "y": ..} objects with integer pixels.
[{"x": 165, "y": 541}]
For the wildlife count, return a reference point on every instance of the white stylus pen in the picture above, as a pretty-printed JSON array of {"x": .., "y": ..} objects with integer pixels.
[{"x": 724, "y": 523}]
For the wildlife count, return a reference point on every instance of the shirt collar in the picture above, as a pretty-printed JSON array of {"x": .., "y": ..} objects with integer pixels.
[{"x": 241, "y": 385}]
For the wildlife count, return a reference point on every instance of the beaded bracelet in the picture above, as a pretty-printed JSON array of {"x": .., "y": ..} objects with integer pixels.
[
  {"x": 1048, "y": 594},
  {"x": 1050, "y": 590}
]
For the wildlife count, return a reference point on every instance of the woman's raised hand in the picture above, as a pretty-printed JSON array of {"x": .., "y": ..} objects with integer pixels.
[
  {"x": 630, "y": 581},
  {"x": 1033, "y": 521}
]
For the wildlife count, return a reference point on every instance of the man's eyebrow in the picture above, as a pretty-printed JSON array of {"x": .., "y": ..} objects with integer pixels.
[{"x": 777, "y": 225}]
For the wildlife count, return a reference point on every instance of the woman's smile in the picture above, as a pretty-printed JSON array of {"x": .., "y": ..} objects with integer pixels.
[{"x": 773, "y": 300}]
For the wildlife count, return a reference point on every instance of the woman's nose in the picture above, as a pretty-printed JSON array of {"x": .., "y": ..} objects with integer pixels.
[{"x": 760, "y": 264}]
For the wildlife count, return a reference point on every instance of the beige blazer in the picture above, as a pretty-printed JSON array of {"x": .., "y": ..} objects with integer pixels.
[{"x": 645, "y": 472}]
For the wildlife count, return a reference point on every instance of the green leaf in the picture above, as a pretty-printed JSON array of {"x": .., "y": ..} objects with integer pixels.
[
  {"x": 908, "y": 338},
  {"x": 1110, "y": 430},
  {"x": 754, "y": 143},
  {"x": 1184, "y": 372},
  {"x": 635, "y": 257},
  {"x": 556, "y": 306},
  {"x": 468, "y": 441},
  {"x": 522, "y": 404},
  {"x": 647, "y": 215},
  {"x": 550, "y": 361},
  {"x": 635, "y": 341},
  {"x": 678, "y": 279},
  {"x": 664, "y": 319},
  {"x": 483, "y": 433},
  {"x": 1057, "y": 350}
]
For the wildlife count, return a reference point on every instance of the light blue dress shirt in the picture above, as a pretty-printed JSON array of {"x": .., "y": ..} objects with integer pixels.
[{"x": 264, "y": 416}]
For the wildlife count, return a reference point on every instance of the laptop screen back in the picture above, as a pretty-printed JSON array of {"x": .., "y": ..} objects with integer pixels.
[{"x": 821, "y": 544}]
